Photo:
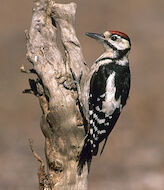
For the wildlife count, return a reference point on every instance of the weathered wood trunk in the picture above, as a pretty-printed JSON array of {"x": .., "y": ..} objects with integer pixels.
[{"x": 61, "y": 122}]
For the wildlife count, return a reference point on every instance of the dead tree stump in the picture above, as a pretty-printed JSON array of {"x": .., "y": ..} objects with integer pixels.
[{"x": 61, "y": 121}]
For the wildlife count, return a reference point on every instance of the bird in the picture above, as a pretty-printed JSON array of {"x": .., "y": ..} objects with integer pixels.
[{"x": 105, "y": 91}]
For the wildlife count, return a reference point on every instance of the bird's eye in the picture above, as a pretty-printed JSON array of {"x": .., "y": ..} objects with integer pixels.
[{"x": 114, "y": 38}]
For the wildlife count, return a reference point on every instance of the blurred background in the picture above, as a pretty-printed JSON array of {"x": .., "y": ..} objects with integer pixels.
[{"x": 134, "y": 155}]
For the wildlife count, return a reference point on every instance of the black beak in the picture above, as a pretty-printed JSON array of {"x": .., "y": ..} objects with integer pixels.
[{"x": 96, "y": 36}]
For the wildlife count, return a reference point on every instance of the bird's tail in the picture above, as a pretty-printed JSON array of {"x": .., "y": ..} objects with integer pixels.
[{"x": 86, "y": 155}]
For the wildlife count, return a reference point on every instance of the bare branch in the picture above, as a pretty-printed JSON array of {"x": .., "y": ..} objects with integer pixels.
[{"x": 44, "y": 181}]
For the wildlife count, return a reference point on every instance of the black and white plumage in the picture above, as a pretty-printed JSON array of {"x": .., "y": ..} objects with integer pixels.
[
  {"x": 109, "y": 89},
  {"x": 106, "y": 90}
]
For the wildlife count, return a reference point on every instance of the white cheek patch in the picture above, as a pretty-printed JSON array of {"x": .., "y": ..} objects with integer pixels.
[
  {"x": 121, "y": 44},
  {"x": 110, "y": 103}
]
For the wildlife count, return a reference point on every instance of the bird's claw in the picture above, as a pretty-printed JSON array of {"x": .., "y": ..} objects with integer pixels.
[{"x": 75, "y": 81}]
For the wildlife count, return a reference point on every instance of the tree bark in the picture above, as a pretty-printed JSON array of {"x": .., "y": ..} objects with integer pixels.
[{"x": 61, "y": 122}]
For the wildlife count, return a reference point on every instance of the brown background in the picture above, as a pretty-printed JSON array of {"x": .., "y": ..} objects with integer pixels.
[{"x": 134, "y": 156}]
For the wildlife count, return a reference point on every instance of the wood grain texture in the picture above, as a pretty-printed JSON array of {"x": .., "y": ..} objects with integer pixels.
[{"x": 61, "y": 121}]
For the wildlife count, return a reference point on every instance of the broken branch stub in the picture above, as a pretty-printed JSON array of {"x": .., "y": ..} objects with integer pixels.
[{"x": 61, "y": 122}]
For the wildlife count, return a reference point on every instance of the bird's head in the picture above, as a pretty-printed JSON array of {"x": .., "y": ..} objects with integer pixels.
[{"x": 116, "y": 41}]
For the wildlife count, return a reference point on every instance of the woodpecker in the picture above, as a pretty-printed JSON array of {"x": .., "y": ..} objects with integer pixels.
[{"x": 105, "y": 91}]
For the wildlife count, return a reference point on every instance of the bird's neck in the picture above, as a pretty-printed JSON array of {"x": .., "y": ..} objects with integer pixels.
[{"x": 111, "y": 55}]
